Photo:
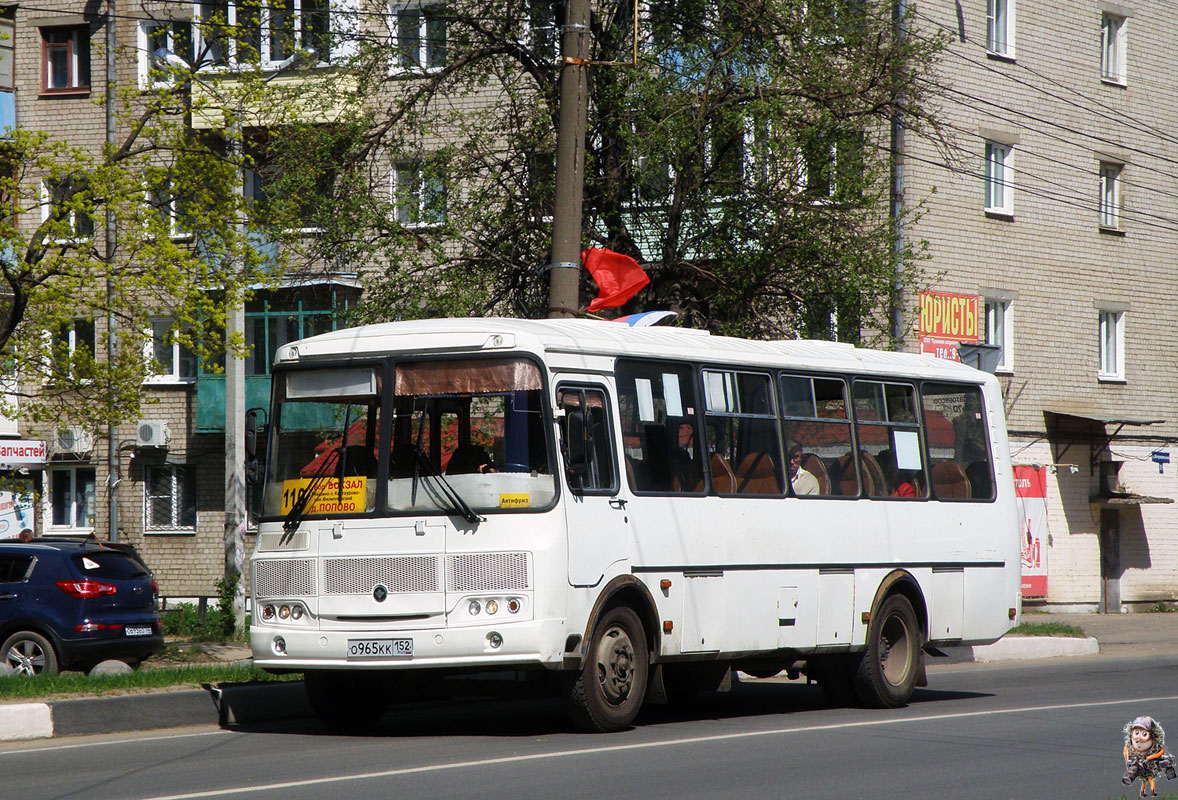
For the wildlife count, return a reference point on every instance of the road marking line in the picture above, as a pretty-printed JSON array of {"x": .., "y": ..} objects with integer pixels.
[
  {"x": 137, "y": 739},
  {"x": 272, "y": 787}
]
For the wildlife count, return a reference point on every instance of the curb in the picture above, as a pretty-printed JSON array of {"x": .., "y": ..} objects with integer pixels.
[
  {"x": 1020, "y": 648},
  {"x": 227, "y": 704}
]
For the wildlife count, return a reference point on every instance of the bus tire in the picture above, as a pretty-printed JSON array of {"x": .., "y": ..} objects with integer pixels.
[
  {"x": 607, "y": 693},
  {"x": 887, "y": 673},
  {"x": 347, "y": 701}
]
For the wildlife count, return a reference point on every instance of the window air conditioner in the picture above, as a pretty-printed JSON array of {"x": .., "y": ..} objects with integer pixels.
[
  {"x": 73, "y": 441},
  {"x": 152, "y": 433}
]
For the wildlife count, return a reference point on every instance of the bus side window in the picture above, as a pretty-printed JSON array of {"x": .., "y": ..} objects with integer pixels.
[
  {"x": 586, "y": 439},
  {"x": 818, "y": 423},
  {"x": 958, "y": 442},
  {"x": 888, "y": 432},
  {"x": 657, "y": 403},
  {"x": 743, "y": 452}
]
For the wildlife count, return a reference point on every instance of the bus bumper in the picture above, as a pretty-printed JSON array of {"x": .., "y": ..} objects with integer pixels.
[{"x": 535, "y": 642}]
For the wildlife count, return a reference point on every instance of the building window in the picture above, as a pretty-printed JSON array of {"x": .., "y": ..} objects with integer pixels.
[
  {"x": 1000, "y": 27},
  {"x": 1112, "y": 48},
  {"x": 273, "y": 318},
  {"x": 1112, "y": 346},
  {"x": 77, "y": 222},
  {"x": 175, "y": 36},
  {"x": 420, "y": 37},
  {"x": 172, "y": 359},
  {"x": 71, "y": 499},
  {"x": 1000, "y": 331},
  {"x": 999, "y": 179},
  {"x": 419, "y": 193},
  {"x": 71, "y": 345},
  {"x": 1110, "y": 196},
  {"x": 65, "y": 63},
  {"x": 7, "y": 49},
  {"x": 265, "y": 34},
  {"x": 169, "y": 503},
  {"x": 170, "y": 211}
]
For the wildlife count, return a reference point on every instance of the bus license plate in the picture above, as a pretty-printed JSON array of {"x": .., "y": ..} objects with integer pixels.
[
  {"x": 137, "y": 630},
  {"x": 379, "y": 648}
]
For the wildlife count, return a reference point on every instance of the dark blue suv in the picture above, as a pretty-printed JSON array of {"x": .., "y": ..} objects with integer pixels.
[{"x": 71, "y": 604}]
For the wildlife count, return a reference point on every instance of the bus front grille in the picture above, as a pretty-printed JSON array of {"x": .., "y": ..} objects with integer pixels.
[
  {"x": 487, "y": 572},
  {"x": 285, "y": 577},
  {"x": 398, "y": 574}
]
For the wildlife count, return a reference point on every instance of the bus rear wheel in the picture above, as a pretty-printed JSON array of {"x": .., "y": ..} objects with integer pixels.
[
  {"x": 886, "y": 675},
  {"x": 347, "y": 701},
  {"x": 607, "y": 693}
]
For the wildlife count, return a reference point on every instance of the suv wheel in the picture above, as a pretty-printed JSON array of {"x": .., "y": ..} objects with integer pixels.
[{"x": 29, "y": 653}]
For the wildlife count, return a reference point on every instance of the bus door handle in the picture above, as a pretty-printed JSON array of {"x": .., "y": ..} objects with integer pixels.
[{"x": 617, "y": 502}]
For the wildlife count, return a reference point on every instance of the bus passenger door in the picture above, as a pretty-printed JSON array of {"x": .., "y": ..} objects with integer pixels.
[{"x": 598, "y": 527}]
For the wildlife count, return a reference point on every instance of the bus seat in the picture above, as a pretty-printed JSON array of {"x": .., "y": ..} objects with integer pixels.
[
  {"x": 873, "y": 475},
  {"x": 722, "y": 477},
  {"x": 757, "y": 474},
  {"x": 843, "y": 480},
  {"x": 817, "y": 467},
  {"x": 950, "y": 481}
]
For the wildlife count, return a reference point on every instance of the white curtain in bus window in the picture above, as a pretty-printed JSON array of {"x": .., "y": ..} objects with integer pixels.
[
  {"x": 671, "y": 394},
  {"x": 645, "y": 400}
]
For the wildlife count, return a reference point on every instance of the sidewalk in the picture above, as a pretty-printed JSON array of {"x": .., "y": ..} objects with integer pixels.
[{"x": 1122, "y": 635}]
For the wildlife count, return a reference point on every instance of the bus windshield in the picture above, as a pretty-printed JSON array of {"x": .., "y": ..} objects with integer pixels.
[
  {"x": 469, "y": 432},
  {"x": 325, "y": 451}
]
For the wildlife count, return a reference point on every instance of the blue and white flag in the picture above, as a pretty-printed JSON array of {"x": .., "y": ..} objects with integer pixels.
[{"x": 646, "y": 318}]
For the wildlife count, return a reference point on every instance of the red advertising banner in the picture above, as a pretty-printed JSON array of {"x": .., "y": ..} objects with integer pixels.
[
  {"x": 1030, "y": 484},
  {"x": 952, "y": 317}
]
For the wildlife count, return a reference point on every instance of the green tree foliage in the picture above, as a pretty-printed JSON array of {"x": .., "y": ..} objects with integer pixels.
[
  {"x": 187, "y": 243},
  {"x": 744, "y": 159}
]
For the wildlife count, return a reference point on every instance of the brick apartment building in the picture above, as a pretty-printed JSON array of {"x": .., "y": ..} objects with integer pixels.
[{"x": 1054, "y": 216}]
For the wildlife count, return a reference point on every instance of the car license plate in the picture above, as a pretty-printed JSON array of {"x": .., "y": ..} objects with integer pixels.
[
  {"x": 137, "y": 630},
  {"x": 379, "y": 648}
]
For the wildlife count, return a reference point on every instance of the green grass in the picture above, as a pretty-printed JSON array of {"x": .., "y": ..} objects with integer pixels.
[
  {"x": 1048, "y": 629},
  {"x": 22, "y": 687}
]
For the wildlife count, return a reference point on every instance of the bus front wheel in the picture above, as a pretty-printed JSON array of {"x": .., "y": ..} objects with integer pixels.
[
  {"x": 607, "y": 693},
  {"x": 886, "y": 675}
]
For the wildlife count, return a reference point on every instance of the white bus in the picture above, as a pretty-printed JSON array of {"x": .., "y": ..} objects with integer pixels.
[{"x": 618, "y": 508}]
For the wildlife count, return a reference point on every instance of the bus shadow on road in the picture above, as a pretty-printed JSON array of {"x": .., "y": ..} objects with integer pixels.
[{"x": 526, "y": 713}]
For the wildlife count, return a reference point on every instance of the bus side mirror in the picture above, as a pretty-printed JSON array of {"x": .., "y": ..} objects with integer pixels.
[{"x": 251, "y": 446}]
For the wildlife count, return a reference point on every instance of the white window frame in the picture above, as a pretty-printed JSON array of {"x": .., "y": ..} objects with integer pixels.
[
  {"x": 425, "y": 51},
  {"x": 178, "y": 475},
  {"x": 7, "y": 55},
  {"x": 998, "y": 178},
  {"x": 1112, "y": 48},
  {"x": 164, "y": 204},
  {"x": 179, "y": 354},
  {"x": 999, "y": 330},
  {"x": 1112, "y": 346},
  {"x": 149, "y": 63},
  {"x": 419, "y": 215},
  {"x": 76, "y": 487},
  {"x": 1110, "y": 195},
  {"x": 78, "y": 66},
  {"x": 230, "y": 59},
  {"x": 71, "y": 342},
  {"x": 1000, "y": 16}
]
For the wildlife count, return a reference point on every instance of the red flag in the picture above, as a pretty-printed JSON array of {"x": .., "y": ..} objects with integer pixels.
[{"x": 618, "y": 277}]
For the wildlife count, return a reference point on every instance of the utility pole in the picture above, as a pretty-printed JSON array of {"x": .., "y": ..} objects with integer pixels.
[
  {"x": 900, "y": 28},
  {"x": 564, "y": 275},
  {"x": 112, "y": 443}
]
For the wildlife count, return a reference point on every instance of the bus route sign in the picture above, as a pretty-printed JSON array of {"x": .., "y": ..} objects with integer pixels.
[{"x": 328, "y": 498}]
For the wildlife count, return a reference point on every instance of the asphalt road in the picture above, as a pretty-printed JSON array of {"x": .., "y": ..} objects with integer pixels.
[{"x": 1048, "y": 729}]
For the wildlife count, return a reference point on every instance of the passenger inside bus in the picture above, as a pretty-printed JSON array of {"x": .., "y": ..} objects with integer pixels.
[{"x": 803, "y": 481}]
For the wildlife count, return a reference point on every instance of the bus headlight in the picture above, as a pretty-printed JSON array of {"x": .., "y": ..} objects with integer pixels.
[
  {"x": 492, "y": 607},
  {"x": 268, "y": 613},
  {"x": 474, "y": 608},
  {"x": 296, "y": 611},
  {"x": 494, "y": 640}
]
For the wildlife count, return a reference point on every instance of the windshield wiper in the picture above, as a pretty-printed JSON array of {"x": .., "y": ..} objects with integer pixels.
[
  {"x": 447, "y": 492},
  {"x": 298, "y": 508}
]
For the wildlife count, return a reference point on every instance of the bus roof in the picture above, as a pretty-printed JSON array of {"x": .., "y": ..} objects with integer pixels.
[{"x": 604, "y": 338}]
